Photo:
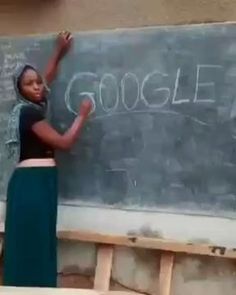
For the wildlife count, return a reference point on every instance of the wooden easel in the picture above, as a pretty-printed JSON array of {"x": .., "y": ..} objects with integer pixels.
[{"x": 105, "y": 247}]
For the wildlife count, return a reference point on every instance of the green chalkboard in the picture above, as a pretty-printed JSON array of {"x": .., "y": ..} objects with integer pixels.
[{"x": 163, "y": 133}]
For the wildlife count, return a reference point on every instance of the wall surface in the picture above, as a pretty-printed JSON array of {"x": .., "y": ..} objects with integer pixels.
[
  {"x": 40, "y": 16},
  {"x": 136, "y": 270}
]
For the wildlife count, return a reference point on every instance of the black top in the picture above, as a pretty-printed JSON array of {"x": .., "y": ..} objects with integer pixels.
[{"x": 31, "y": 146}]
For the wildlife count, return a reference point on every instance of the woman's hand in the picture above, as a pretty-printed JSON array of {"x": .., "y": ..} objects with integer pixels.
[
  {"x": 85, "y": 108},
  {"x": 64, "y": 142},
  {"x": 64, "y": 41},
  {"x": 63, "y": 45}
]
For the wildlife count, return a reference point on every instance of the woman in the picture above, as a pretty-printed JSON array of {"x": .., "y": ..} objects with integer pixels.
[{"x": 30, "y": 228}]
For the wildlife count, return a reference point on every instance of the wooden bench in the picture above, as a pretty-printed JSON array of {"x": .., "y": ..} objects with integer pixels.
[{"x": 106, "y": 243}]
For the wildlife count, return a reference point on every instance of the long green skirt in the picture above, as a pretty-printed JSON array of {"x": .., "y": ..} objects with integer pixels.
[{"x": 30, "y": 247}]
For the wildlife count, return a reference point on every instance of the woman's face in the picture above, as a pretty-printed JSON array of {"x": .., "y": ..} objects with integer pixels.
[{"x": 31, "y": 86}]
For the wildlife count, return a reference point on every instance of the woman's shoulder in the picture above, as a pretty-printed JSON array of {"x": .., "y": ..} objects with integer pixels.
[
  {"x": 30, "y": 115},
  {"x": 30, "y": 110}
]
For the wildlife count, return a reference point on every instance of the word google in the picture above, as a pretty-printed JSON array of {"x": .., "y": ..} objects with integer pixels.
[{"x": 163, "y": 95}]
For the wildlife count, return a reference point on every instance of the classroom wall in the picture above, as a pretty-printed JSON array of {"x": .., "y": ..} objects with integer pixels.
[
  {"x": 40, "y": 16},
  {"x": 77, "y": 261}
]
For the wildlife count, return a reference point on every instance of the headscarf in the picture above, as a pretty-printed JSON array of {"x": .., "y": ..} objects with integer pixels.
[{"x": 13, "y": 136}]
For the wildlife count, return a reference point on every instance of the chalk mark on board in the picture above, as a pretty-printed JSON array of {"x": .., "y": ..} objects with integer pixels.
[
  {"x": 229, "y": 164},
  {"x": 103, "y": 86},
  {"x": 204, "y": 84},
  {"x": 151, "y": 112},
  {"x": 129, "y": 76},
  {"x": 161, "y": 89},
  {"x": 174, "y": 100},
  {"x": 89, "y": 94}
]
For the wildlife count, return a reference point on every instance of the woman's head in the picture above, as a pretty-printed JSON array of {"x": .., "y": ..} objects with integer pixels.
[{"x": 30, "y": 84}]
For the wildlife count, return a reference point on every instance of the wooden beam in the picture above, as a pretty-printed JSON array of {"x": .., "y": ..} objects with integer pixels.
[
  {"x": 166, "y": 269},
  {"x": 149, "y": 243},
  {"x": 103, "y": 268},
  {"x": 56, "y": 291}
]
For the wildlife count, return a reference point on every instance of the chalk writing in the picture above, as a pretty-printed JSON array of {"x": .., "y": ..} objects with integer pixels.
[
  {"x": 109, "y": 93},
  {"x": 77, "y": 78},
  {"x": 133, "y": 79},
  {"x": 202, "y": 84},
  {"x": 174, "y": 100},
  {"x": 164, "y": 90},
  {"x": 107, "y": 84}
]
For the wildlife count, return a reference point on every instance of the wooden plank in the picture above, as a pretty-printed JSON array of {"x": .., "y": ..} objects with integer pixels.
[
  {"x": 166, "y": 269},
  {"x": 149, "y": 243},
  {"x": 55, "y": 291},
  {"x": 103, "y": 268}
]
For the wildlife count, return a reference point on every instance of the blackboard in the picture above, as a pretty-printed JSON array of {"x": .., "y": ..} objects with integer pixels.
[{"x": 163, "y": 133}]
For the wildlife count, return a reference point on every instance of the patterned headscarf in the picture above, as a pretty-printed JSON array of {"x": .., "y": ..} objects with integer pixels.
[{"x": 13, "y": 136}]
